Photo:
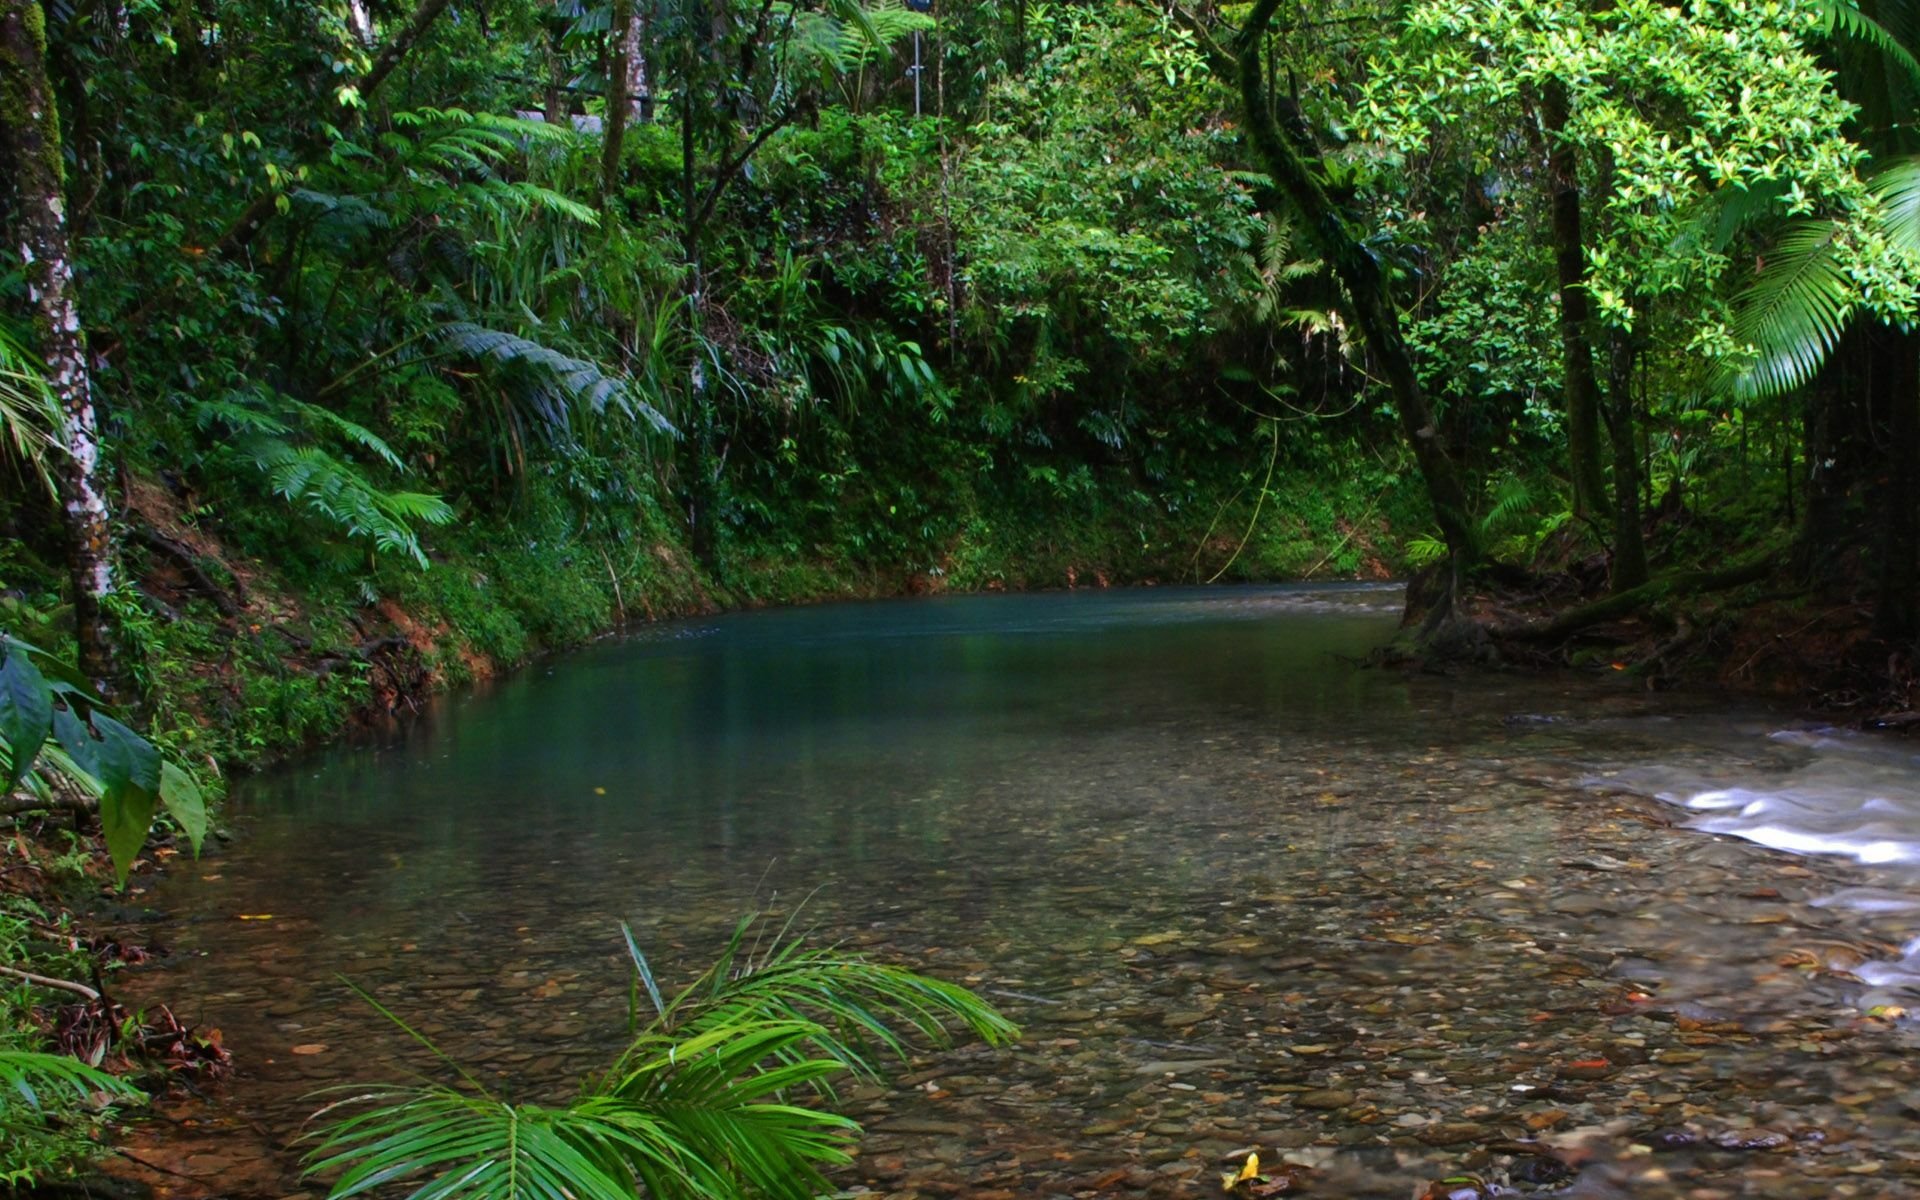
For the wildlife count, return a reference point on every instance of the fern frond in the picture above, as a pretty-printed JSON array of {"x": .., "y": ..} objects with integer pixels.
[{"x": 583, "y": 381}]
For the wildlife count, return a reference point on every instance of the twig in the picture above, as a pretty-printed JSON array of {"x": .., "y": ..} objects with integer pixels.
[
  {"x": 62, "y": 985},
  {"x": 615, "y": 578}
]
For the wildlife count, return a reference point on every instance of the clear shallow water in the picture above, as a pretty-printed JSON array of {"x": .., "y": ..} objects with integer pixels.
[{"x": 1241, "y": 891}]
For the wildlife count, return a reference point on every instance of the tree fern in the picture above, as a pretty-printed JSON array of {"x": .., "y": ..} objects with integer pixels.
[
  {"x": 283, "y": 439},
  {"x": 341, "y": 493}
]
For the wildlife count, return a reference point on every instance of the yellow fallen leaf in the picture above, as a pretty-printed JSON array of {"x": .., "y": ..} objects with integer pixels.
[
  {"x": 1249, "y": 1171},
  {"x": 256, "y": 916},
  {"x": 599, "y": 791}
]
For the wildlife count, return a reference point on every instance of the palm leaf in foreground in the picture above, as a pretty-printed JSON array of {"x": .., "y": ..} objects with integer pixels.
[
  {"x": 862, "y": 1008},
  {"x": 1794, "y": 311},
  {"x": 27, "y": 1076},
  {"x": 1797, "y": 307},
  {"x": 700, "y": 1106}
]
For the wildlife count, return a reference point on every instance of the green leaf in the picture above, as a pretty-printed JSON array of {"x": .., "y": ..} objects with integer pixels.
[
  {"x": 26, "y": 713},
  {"x": 79, "y": 742},
  {"x": 183, "y": 799},
  {"x": 130, "y": 771}
]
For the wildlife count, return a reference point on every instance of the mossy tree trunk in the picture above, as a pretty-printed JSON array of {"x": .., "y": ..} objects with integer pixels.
[
  {"x": 1294, "y": 169},
  {"x": 30, "y": 125}
]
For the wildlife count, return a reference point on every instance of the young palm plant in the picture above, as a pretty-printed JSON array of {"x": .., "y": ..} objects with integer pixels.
[{"x": 712, "y": 1099}]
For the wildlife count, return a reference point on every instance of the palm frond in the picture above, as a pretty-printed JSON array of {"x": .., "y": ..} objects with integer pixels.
[
  {"x": 477, "y": 1147},
  {"x": 1794, "y": 311},
  {"x": 582, "y": 381},
  {"x": 1843, "y": 18},
  {"x": 35, "y": 1078},
  {"x": 29, "y": 413},
  {"x": 698, "y": 1107},
  {"x": 859, "y": 1006},
  {"x": 1897, "y": 184}
]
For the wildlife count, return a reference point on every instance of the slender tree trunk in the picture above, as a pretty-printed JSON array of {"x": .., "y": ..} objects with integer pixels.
[
  {"x": 625, "y": 36},
  {"x": 1370, "y": 298},
  {"x": 1629, "y": 545},
  {"x": 1576, "y": 347},
  {"x": 554, "y": 108},
  {"x": 30, "y": 123},
  {"x": 1838, "y": 433},
  {"x": 639, "y": 79},
  {"x": 1896, "y": 614},
  {"x": 701, "y": 477},
  {"x": 360, "y": 20}
]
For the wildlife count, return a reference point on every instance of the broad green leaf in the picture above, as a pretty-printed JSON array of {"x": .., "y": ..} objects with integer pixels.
[
  {"x": 130, "y": 769},
  {"x": 77, "y": 740},
  {"x": 26, "y": 713},
  {"x": 183, "y": 799}
]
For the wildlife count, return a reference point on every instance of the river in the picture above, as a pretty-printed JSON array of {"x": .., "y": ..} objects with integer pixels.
[{"x": 1239, "y": 889}]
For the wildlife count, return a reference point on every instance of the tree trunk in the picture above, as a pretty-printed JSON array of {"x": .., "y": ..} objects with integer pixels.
[
  {"x": 1371, "y": 303},
  {"x": 554, "y": 107},
  {"x": 30, "y": 122},
  {"x": 1576, "y": 347},
  {"x": 1896, "y": 379},
  {"x": 1838, "y": 435},
  {"x": 625, "y": 34},
  {"x": 1629, "y": 545}
]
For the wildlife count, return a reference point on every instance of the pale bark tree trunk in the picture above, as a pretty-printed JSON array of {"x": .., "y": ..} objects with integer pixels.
[
  {"x": 30, "y": 123},
  {"x": 626, "y": 86},
  {"x": 360, "y": 17}
]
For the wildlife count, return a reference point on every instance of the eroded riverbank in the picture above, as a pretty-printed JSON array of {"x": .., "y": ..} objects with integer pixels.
[{"x": 1241, "y": 892}]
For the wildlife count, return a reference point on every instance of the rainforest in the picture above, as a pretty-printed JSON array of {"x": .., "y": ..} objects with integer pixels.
[{"x": 942, "y": 598}]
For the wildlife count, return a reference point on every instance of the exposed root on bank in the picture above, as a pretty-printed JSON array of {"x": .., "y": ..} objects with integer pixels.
[{"x": 1744, "y": 627}]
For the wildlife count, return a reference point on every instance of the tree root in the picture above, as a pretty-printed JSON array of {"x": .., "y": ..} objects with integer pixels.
[
  {"x": 1634, "y": 600},
  {"x": 230, "y": 602}
]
